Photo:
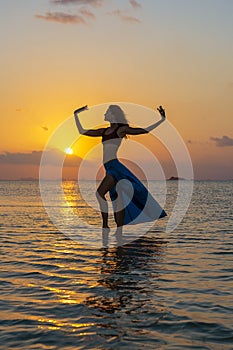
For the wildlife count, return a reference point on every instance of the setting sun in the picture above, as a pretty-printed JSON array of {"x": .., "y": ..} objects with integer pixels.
[{"x": 68, "y": 150}]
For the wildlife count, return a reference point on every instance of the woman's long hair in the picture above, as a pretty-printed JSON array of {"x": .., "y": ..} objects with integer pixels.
[{"x": 119, "y": 115}]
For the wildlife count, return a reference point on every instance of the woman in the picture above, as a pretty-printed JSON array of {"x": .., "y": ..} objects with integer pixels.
[{"x": 131, "y": 204}]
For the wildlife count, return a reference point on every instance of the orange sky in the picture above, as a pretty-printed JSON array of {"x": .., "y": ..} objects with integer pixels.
[{"x": 55, "y": 58}]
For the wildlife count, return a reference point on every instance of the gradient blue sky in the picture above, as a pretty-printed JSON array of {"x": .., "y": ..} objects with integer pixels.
[{"x": 56, "y": 57}]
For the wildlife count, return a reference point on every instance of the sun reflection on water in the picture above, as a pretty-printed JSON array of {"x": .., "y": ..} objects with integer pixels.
[
  {"x": 79, "y": 206},
  {"x": 66, "y": 326}
]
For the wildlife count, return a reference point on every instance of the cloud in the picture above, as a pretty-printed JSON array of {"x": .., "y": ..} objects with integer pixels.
[
  {"x": 45, "y": 128},
  {"x": 225, "y": 141},
  {"x": 53, "y": 157},
  {"x": 135, "y": 4},
  {"x": 196, "y": 142},
  {"x": 32, "y": 158},
  {"x": 86, "y": 13},
  {"x": 124, "y": 17},
  {"x": 61, "y": 17},
  {"x": 94, "y": 3}
]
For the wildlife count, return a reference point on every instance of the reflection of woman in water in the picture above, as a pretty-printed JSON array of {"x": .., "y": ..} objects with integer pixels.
[{"x": 131, "y": 204}]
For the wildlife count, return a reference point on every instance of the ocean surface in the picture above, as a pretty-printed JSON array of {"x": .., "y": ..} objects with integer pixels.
[{"x": 162, "y": 291}]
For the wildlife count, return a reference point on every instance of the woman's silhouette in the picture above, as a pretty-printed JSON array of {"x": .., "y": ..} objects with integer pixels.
[{"x": 130, "y": 207}]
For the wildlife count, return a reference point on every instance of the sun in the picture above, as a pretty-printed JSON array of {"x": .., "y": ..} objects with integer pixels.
[{"x": 68, "y": 150}]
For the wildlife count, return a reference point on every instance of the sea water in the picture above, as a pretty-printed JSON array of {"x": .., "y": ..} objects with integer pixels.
[{"x": 161, "y": 291}]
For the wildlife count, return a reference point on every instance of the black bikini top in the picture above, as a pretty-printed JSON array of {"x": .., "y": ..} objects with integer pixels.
[{"x": 112, "y": 135}]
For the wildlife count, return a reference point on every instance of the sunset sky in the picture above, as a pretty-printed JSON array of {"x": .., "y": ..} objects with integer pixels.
[{"x": 57, "y": 55}]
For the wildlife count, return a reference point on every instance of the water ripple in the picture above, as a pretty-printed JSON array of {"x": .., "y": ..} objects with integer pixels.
[{"x": 159, "y": 292}]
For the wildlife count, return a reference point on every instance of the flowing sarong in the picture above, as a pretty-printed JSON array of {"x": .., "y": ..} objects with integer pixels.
[{"x": 139, "y": 205}]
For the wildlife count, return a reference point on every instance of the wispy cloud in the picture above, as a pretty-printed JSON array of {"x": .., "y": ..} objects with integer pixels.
[
  {"x": 83, "y": 14},
  {"x": 197, "y": 143},
  {"x": 135, "y": 4},
  {"x": 87, "y": 13},
  {"x": 61, "y": 17},
  {"x": 94, "y": 3},
  {"x": 45, "y": 128},
  {"x": 224, "y": 141},
  {"x": 124, "y": 17}
]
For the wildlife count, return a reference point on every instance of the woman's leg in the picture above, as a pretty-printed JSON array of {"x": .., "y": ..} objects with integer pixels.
[
  {"x": 107, "y": 183},
  {"x": 120, "y": 212}
]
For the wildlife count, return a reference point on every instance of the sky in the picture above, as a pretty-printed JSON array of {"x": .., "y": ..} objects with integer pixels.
[{"x": 57, "y": 55}]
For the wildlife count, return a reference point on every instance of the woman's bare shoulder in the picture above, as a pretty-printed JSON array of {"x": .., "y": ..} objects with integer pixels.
[{"x": 122, "y": 130}]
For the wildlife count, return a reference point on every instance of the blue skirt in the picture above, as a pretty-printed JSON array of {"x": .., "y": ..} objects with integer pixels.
[{"x": 139, "y": 205}]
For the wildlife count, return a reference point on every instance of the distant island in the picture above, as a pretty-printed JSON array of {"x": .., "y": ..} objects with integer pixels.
[{"x": 175, "y": 178}]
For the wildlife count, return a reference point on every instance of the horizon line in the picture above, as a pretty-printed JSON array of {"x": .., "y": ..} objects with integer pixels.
[{"x": 170, "y": 180}]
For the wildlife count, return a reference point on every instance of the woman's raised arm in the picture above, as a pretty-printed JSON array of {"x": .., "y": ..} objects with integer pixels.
[
  {"x": 163, "y": 118},
  {"x": 137, "y": 131},
  {"x": 82, "y": 131}
]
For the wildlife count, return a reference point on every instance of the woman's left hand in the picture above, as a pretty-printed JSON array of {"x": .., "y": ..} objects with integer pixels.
[{"x": 162, "y": 112}]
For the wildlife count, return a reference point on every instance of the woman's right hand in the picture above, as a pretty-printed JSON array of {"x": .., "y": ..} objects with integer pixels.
[{"x": 81, "y": 109}]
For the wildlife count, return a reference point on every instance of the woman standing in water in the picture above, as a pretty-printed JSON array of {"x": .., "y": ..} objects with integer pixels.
[{"x": 129, "y": 207}]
